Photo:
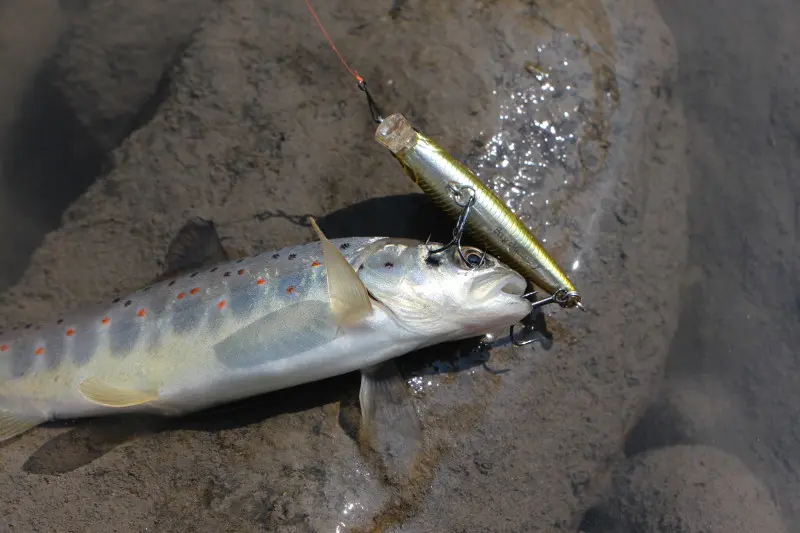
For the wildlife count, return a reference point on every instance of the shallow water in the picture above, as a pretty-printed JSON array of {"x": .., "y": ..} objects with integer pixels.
[{"x": 740, "y": 84}]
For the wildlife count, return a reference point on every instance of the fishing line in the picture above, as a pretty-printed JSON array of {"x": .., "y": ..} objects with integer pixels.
[{"x": 362, "y": 84}]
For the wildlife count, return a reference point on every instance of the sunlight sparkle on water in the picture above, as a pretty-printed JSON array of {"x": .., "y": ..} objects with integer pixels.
[{"x": 532, "y": 155}]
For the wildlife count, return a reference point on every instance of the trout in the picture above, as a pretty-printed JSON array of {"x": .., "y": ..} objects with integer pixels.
[{"x": 246, "y": 327}]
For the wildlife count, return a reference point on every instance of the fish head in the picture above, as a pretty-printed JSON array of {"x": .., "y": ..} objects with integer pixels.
[{"x": 443, "y": 297}]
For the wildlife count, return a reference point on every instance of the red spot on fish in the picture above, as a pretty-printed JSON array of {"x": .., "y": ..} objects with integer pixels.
[
  {"x": 290, "y": 289},
  {"x": 39, "y": 351},
  {"x": 70, "y": 332},
  {"x": 222, "y": 304},
  {"x": 316, "y": 264},
  {"x": 260, "y": 281},
  {"x": 106, "y": 321},
  {"x": 4, "y": 348},
  {"x": 141, "y": 313},
  {"x": 195, "y": 290},
  {"x": 241, "y": 272},
  {"x": 181, "y": 296}
]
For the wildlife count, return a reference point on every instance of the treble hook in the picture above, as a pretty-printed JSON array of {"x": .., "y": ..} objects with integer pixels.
[
  {"x": 374, "y": 110},
  {"x": 461, "y": 225},
  {"x": 561, "y": 297}
]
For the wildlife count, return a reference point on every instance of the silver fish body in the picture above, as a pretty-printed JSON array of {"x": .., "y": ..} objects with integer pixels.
[{"x": 244, "y": 328}]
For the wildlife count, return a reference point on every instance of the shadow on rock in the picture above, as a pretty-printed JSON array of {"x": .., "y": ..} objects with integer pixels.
[
  {"x": 412, "y": 216},
  {"x": 48, "y": 162}
]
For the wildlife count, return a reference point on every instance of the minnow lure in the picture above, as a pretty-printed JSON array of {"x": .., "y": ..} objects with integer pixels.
[
  {"x": 251, "y": 326},
  {"x": 456, "y": 190}
]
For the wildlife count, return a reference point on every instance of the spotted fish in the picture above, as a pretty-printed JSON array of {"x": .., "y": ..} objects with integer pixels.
[{"x": 245, "y": 327}]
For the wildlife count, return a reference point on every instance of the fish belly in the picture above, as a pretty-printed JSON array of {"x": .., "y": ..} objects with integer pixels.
[{"x": 257, "y": 369}]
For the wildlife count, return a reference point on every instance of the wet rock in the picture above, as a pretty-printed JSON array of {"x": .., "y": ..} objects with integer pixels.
[
  {"x": 692, "y": 489},
  {"x": 260, "y": 127},
  {"x": 111, "y": 64}
]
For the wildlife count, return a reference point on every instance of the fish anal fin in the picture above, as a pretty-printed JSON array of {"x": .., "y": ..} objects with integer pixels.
[
  {"x": 349, "y": 298},
  {"x": 197, "y": 245},
  {"x": 389, "y": 423},
  {"x": 102, "y": 393},
  {"x": 12, "y": 424}
]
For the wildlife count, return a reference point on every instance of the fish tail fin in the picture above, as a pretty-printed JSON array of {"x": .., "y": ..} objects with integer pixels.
[{"x": 13, "y": 424}]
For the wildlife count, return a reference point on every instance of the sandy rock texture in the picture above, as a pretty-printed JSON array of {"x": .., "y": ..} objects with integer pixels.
[
  {"x": 688, "y": 489},
  {"x": 256, "y": 126}
]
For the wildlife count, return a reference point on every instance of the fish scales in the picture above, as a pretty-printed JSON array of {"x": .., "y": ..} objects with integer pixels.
[{"x": 197, "y": 308}]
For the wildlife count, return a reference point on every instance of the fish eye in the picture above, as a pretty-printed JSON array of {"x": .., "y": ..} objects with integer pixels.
[{"x": 472, "y": 257}]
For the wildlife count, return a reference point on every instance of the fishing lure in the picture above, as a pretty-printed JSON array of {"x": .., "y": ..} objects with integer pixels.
[{"x": 459, "y": 192}]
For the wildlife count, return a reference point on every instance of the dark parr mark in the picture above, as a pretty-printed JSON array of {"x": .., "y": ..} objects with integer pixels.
[
  {"x": 55, "y": 350},
  {"x": 84, "y": 345},
  {"x": 21, "y": 358},
  {"x": 243, "y": 300},
  {"x": 276, "y": 256},
  {"x": 128, "y": 303},
  {"x": 344, "y": 246},
  {"x": 123, "y": 334},
  {"x": 292, "y": 257},
  {"x": 189, "y": 317}
]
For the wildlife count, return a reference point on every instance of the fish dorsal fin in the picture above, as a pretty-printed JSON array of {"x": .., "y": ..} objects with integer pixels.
[
  {"x": 102, "y": 393},
  {"x": 349, "y": 298},
  {"x": 196, "y": 246}
]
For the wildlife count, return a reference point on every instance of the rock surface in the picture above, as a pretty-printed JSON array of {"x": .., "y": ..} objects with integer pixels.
[
  {"x": 116, "y": 57},
  {"x": 691, "y": 489},
  {"x": 260, "y": 126}
]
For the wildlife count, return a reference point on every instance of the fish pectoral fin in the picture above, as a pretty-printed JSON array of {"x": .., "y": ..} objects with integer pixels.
[
  {"x": 389, "y": 423},
  {"x": 296, "y": 328},
  {"x": 349, "y": 298},
  {"x": 102, "y": 393},
  {"x": 12, "y": 424},
  {"x": 196, "y": 245}
]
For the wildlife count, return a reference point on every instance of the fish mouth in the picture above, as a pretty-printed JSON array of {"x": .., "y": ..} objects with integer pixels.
[
  {"x": 511, "y": 284},
  {"x": 514, "y": 284}
]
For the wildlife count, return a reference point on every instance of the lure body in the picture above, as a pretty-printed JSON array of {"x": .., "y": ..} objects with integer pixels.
[
  {"x": 246, "y": 327},
  {"x": 493, "y": 224}
]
